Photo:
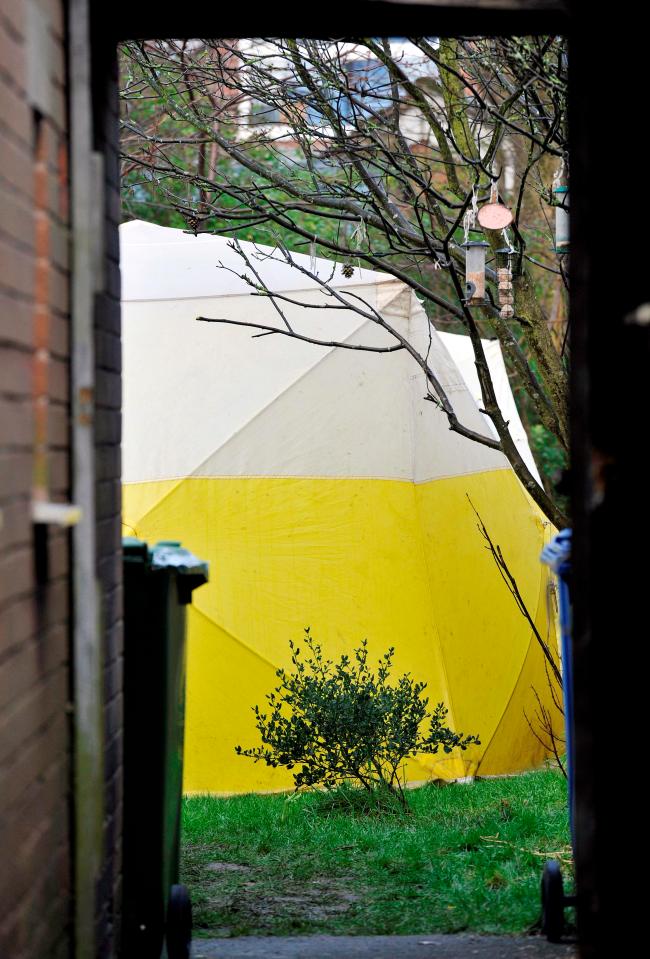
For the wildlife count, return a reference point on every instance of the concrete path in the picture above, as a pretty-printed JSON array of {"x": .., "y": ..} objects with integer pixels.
[{"x": 381, "y": 947}]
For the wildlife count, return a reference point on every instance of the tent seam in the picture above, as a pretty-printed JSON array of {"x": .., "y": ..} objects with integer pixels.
[
  {"x": 330, "y": 352},
  {"x": 317, "y": 476},
  {"x": 234, "y": 638}
]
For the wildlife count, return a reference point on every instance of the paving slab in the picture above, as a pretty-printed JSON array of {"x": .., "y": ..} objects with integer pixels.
[{"x": 382, "y": 947}]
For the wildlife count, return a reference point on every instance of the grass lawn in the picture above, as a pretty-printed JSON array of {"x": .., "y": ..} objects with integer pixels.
[{"x": 466, "y": 858}]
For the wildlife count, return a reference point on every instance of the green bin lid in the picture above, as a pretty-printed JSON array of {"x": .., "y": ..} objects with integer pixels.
[{"x": 134, "y": 549}]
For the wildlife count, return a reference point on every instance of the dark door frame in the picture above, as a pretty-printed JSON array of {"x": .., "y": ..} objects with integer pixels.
[{"x": 610, "y": 340}]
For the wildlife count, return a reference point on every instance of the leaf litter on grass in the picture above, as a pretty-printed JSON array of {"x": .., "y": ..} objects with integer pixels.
[{"x": 254, "y": 906}]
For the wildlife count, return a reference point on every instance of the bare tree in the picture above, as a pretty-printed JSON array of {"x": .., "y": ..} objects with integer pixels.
[{"x": 378, "y": 153}]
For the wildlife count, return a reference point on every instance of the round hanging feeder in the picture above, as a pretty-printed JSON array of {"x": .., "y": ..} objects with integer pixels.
[
  {"x": 475, "y": 251},
  {"x": 561, "y": 198},
  {"x": 494, "y": 216}
]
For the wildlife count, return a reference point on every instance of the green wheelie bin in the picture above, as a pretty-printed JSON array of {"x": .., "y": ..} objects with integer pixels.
[{"x": 158, "y": 585}]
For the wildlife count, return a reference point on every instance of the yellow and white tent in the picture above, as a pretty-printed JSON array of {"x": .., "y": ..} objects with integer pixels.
[{"x": 325, "y": 492}]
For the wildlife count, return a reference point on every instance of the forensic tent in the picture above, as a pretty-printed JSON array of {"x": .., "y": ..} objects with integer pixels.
[{"x": 325, "y": 491}]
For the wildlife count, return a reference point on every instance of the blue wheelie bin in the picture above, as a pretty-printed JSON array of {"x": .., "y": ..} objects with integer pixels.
[{"x": 158, "y": 586}]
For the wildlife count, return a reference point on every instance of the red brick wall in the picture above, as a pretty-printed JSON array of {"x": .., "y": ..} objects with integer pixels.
[
  {"x": 36, "y": 809},
  {"x": 34, "y": 411}
]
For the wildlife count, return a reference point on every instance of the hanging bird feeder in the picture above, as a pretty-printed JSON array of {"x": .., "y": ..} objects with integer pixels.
[
  {"x": 494, "y": 216},
  {"x": 475, "y": 271},
  {"x": 504, "y": 280},
  {"x": 561, "y": 201}
]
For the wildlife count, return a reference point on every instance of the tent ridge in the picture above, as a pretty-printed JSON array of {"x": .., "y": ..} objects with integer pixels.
[{"x": 231, "y": 295}]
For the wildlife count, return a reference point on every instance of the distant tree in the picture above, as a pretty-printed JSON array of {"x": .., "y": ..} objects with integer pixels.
[{"x": 379, "y": 153}]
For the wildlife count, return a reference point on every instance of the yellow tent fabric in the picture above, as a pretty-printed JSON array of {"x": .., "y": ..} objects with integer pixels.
[{"x": 325, "y": 492}]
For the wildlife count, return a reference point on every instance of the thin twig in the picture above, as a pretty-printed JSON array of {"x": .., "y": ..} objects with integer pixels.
[{"x": 511, "y": 583}]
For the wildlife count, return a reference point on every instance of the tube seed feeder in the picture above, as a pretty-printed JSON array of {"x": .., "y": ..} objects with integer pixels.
[
  {"x": 504, "y": 271},
  {"x": 561, "y": 197},
  {"x": 504, "y": 281},
  {"x": 475, "y": 271}
]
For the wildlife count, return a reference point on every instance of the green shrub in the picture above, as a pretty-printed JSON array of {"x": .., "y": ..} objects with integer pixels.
[{"x": 341, "y": 722}]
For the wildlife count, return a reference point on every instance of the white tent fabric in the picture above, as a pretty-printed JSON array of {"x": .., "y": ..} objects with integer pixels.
[
  {"x": 462, "y": 353},
  {"x": 268, "y": 368}
]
